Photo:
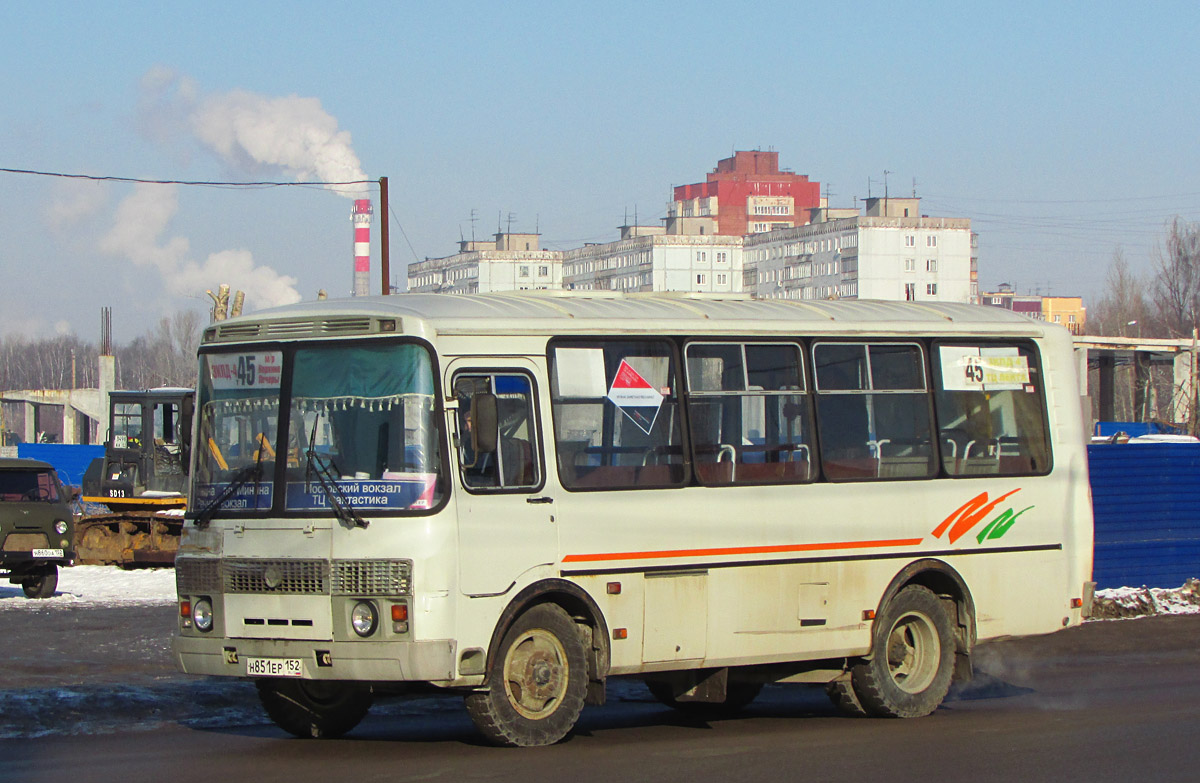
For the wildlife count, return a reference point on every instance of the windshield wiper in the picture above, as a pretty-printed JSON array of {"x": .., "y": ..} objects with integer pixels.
[
  {"x": 323, "y": 468},
  {"x": 236, "y": 482}
]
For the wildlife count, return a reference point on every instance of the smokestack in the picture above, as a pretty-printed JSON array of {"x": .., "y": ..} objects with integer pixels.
[{"x": 361, "y": 215}]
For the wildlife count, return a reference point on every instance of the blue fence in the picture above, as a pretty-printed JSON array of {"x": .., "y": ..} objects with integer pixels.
[
  {"x": 1146, "y": 499},
  {"x": 70, "y": 460}
]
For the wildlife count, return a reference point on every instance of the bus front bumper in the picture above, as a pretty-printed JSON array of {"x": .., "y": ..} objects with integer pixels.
[{"x": 427, "y": 661}]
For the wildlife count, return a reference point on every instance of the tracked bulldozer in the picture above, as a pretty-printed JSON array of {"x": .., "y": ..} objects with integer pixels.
[{"x": 134, "y": 496}]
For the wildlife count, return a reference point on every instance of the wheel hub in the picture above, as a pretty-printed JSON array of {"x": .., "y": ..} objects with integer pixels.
[{"x": 535, "y": 674}]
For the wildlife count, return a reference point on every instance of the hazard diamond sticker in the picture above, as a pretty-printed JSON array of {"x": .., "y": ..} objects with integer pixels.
[{"x": 635, "y": 397}]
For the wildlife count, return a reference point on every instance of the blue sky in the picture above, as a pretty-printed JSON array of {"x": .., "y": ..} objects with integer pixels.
[{"x": 1064, "y": 130}]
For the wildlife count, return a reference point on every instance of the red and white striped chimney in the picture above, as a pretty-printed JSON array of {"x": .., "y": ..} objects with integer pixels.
[{"x": 361, "y": 215}]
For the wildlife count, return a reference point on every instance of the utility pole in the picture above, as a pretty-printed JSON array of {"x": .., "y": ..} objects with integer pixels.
[{"x": 385, "y": 255}]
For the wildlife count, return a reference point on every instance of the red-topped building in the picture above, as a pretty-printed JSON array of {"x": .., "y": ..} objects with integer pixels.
[{"x": 745, "y": 194}]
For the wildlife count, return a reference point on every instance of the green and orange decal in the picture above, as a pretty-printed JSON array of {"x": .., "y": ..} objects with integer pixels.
[{"x": 974, "y": 511}]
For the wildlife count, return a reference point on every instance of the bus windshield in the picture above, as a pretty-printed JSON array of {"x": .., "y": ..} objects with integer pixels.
[{"x": 360, "y": 429}]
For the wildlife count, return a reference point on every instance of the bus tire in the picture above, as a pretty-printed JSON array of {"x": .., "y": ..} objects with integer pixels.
[
  {"x": 314, "y": 709},
  {"x": 536, "y": 688},
  {"x": 738, "y": 696},
  {"x": 912, "y": 657},
  {"x": 841, "y": 693},
  {"x": 41, "y": 585}
]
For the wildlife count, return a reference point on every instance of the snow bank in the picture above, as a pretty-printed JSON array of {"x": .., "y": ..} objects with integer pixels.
[
  {"x": 1122, "y": 602},
  {"x": 97, "y": 585}
]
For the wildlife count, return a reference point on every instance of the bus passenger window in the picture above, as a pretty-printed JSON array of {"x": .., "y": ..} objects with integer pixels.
[
  {"x": 509, "y": 460},
  {"x": 748, "y": 413},
  {"x": 616, "y": 414},
  {"x": 990, "y": 411},
  {"x": 873, "y": 411}
]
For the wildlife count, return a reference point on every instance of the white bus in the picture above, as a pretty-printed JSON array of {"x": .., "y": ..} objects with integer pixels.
[{"x": 518, "y": 496}]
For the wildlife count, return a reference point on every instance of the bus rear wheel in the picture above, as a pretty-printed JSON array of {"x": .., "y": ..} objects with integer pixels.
[
  {"x": 537, "y": 685},
  {"x": 314, "y": 709},
  {"x": 912, "y": 657},
  {"x": 841, "y": 693}
]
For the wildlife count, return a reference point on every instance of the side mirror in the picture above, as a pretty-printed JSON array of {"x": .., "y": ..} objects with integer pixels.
[
  {"x": 186, "y": 413},
  {"x": 484, "y": 423}
]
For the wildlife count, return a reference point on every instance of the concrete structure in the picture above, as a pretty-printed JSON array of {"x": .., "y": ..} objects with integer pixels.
[
  {"x": 1104, "y": 354},
  {"x": 891, "y": 252},
  {"x": 745, "y": 194},
  {"x": 361, "y": 216},
  {"x": 83, "y": 412},
  {"x": 510, "y": 262},
  {"x": 658, "y": 262}
]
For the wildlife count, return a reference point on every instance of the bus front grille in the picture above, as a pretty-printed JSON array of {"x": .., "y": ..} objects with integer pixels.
[
  {"x": 372, "y": 577},
  {"x": 198, "y": 575}
]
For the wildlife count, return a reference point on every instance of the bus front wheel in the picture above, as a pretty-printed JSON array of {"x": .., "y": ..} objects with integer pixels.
[
  {"x": 314, "y": 709},
  {"x": 912, "y": 657},
  {"x": 537, "y": 685}
]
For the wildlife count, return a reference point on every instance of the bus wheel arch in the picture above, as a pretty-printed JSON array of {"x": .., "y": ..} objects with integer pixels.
[
  {"x": 946, "y": 583},
  {"x": 542, "y": 664},
  {"x": 582, "y": 609},
  {"x": 921, "y": 641}
]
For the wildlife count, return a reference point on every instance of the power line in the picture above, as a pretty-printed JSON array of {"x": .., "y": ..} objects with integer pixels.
[
  {"x": 198, "y": 183},
  {"x": 403, "y": 233}
]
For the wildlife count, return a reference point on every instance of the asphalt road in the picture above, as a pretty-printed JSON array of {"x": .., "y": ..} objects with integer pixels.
[{"x": 92, "y": 696}]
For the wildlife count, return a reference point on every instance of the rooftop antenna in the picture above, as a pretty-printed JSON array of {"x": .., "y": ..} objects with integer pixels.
[
  {"x": 474, "y": 217},
  {"x": 914, "y": 187},
  {"x": 511, "y": 217},
  {"x": 885, "y": 191}
]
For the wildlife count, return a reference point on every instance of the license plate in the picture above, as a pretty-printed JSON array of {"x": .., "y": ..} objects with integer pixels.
[
  {"x": 274, "y": 667},
  {"x": 47, "y": 553}
]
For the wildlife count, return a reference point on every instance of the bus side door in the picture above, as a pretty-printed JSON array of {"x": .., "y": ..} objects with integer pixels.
[{"x": 505, "y": 516}]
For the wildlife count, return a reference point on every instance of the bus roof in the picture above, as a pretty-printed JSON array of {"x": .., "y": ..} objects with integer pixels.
[{"x": 572, "y": 312}]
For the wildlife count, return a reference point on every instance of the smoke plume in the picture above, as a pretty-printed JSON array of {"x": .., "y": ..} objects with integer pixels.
[
  {"x": 284, "y": 137},
  {"x": 251, "y": 132},
  {"x": 137, "y": 234}
]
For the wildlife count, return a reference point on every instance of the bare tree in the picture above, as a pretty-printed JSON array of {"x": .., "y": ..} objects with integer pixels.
[
  {"x": 1123, "y": 305},
  {"x": 1177, "y": 279},
  {"x": 164, "y": 357}
]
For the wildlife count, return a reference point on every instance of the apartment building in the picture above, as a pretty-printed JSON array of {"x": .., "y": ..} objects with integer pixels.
[
  {"x": 656, "y": 262},
  {"x": 509, "y": 262},
  {"x": 745, "y": 194},
  {"x": 890, "y": 252}
]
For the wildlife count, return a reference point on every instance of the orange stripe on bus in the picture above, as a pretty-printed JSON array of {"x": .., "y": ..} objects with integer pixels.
[{"x": 742, "y": 550}]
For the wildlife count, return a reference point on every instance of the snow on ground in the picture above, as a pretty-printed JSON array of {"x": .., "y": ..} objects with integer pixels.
[
  {"x": 1123, "y": 602},
  {"x": 97, "y": 585}
]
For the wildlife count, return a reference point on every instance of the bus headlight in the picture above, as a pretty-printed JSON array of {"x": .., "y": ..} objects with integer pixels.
[
  {"x": 202, "y": 615},
  {"x": 364, "y": 618},
  {"x": 60, "y": 527}
]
